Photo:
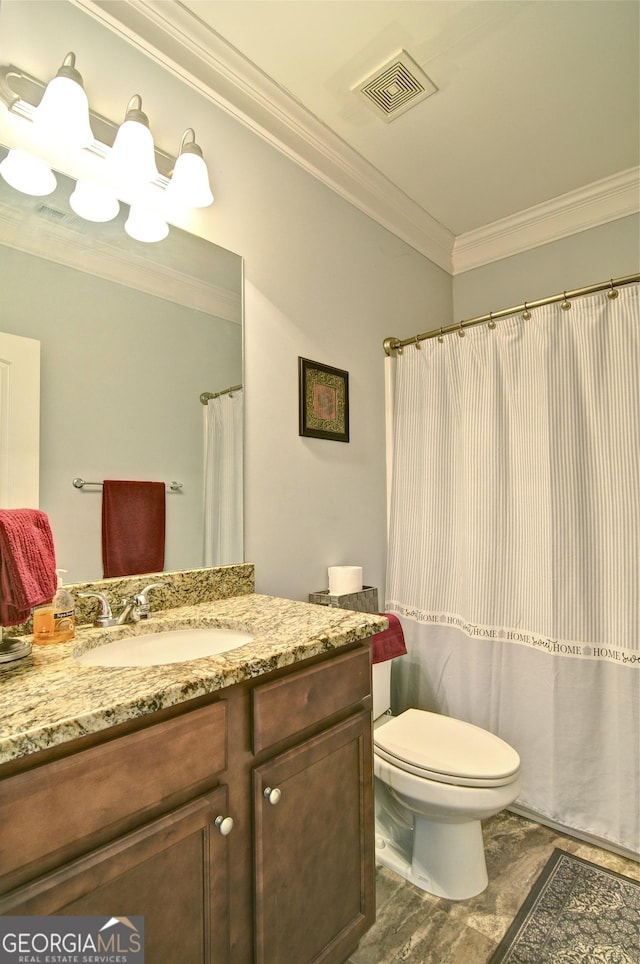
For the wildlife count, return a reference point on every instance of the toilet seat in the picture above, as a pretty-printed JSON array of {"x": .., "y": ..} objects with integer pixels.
[{"x": 446, "y": 750}]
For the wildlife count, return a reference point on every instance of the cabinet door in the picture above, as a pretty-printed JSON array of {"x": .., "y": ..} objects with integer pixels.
[
  {"x": 173, "y": 872},
  {"x": 314, "y": 847},
  {"x": 71, "y": 806}
]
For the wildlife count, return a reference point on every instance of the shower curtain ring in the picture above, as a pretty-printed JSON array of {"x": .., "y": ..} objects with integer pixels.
[
  {"x": 612, "y": 292},
  {"x": 566, "y": 305},
  {"x": 417, "y": 343},
  {"x": 526, "y": 314},
  {"x": 491, "y": 323},
  {"x": 441, "y": 337},
  {"x": 461, "y": 331}
]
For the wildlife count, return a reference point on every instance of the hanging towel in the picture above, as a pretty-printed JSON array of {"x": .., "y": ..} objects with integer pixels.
[
  {"x": 27, "y": 564},
  {"x": 133, "y": 527},
  {"x": 390, "y": 642}
]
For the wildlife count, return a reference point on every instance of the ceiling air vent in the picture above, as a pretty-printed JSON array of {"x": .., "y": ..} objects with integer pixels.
[{"x": 396, "y": 86}]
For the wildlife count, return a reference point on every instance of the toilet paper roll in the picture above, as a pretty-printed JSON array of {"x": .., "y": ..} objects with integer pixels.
[{"x": 344, "y": 580}]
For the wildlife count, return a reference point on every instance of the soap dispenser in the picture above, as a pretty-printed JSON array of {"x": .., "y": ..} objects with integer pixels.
[
  {"x": 55, "y": 621},
  {"x": 43, "y": 624},
  {"x": 64, "y": 613}
]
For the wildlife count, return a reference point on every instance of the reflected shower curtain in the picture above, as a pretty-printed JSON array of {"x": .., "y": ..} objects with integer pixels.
[
  {"x": 223, "y": 492},
  {"x": 514, "y": 549}
]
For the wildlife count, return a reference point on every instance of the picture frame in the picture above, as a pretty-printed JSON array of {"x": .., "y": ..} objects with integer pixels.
[{"x": 323, "y": 401}]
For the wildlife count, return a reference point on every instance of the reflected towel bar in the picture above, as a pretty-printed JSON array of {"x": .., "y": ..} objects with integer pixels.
[{"x": 80, "y": 483}]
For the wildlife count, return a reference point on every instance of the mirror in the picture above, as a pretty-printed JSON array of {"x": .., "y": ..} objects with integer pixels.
[{"x": 131, "y": 334}]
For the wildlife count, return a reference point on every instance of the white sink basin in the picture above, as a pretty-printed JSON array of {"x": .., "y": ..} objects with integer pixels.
[{"x": 172, "y": 646}]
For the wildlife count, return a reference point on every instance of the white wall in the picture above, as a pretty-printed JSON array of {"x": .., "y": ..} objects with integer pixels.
[
  {"x": 342, "y": 287},
  {"x": 321, "y": 281},
  {"x": 324, "y": 282}
]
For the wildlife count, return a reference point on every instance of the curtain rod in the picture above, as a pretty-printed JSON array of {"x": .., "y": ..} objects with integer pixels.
[
  {"x": 204, "y": 398},
  {"x": 395, "y": 344}
]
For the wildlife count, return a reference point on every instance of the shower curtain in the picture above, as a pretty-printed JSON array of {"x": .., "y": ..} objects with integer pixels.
[
  {"x": 223, "y": 491},
  {"x": 514, "y": 522}
]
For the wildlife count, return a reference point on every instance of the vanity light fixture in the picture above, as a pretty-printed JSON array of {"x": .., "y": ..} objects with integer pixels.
[
  {"x": 63, "y": 112},
  {"x": 145, "y": 225},
  {"x": 189, "y": 184},
  {"x": 131, "y": 160},
  {"x": 129, "y": 167},
  {"x": 62, "y": 116},
  {"x": 27, "y": 173},
  {"x": 94, "y": 202}
]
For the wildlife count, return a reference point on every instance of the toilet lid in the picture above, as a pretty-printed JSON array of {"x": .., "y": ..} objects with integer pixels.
[{"x": 446, "y": 750}]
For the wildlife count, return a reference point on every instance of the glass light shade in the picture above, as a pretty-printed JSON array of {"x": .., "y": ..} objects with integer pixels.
[
  {"x": 132, "y": 159},
  {"x": 189, "y": 184},
  {"x": 27, "y": 173},
  {"x": 145, "y": 225},
  {"x": 94, "y": 202},
  {"x": 63, "y": 114}
]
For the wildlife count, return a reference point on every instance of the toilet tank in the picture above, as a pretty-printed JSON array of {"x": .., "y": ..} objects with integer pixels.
[{"x": 381, "y": 679}]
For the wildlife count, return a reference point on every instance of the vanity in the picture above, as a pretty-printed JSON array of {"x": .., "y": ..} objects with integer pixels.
[{"x": 228, "y": 799}]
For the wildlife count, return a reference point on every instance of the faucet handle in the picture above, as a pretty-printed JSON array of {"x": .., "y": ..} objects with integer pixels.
[
  {"x": 105, "y": 616},
  {"x": 141, "y": 601}
]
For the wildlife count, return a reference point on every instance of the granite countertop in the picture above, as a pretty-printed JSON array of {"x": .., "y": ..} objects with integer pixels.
[{"x": 49, "y": 698}]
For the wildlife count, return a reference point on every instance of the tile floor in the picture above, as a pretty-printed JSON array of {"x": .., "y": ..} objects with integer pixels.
[{"x": 416, "y": 928}]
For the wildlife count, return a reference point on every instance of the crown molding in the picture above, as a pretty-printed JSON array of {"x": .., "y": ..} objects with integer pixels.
[
  {"x": 606, "y": 200},
  {"x": 201, "y": 58}
]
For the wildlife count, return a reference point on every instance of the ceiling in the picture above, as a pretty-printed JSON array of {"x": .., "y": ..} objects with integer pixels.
[{"x": 534, "y": 99}]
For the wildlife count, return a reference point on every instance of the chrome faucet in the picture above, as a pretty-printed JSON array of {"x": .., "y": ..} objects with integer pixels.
[
  {"x": 132, "y": 611},
  {"x": 142, "y": 603},
  {"x": 128, "y": 613},
  {"x": 105, "y": 617}
]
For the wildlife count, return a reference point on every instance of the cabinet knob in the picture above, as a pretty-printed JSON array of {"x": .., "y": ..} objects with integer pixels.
[
  {"x": 272, "y": 795},
  {"x": 224, "y": 825}
]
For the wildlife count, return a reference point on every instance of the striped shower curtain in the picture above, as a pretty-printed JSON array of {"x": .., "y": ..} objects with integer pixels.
[
  {"x": 223, "y": 473},
  {"x": 514, "y": 544}
]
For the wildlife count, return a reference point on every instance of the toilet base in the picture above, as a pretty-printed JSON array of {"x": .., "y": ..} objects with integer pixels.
[{"x": 447, "y": 859}]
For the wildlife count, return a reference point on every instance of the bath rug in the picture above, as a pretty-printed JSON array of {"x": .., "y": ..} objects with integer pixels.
[{"x": 576, "y": 912}]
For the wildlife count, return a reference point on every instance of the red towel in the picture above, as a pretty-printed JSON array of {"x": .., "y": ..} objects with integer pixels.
[
  {"x": 133, "y": 527},
  {"x": 27, "y": 564},
  {"x": 390, "y": 642}
]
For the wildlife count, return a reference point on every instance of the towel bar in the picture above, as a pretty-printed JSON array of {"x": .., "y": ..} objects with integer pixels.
[{"x": 80, "y": 483}]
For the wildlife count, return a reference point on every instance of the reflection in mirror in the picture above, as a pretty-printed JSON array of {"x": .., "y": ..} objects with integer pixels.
[{"x": 131, "y": 334}]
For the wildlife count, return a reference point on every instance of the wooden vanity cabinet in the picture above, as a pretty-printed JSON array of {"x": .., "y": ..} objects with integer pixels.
[
  {"x": 314, "y": 862},
  {"x": 313, "y": 867},
  {"x": 123, "y": 829},
  {"x": 172, "y": 871},
  {"x": 131, "y": 826}
]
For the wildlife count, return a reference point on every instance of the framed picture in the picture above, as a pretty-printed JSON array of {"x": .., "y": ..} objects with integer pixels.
[{"x": 324, "y": 401}]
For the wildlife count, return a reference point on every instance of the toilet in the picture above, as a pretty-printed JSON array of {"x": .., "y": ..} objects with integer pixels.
[{"x": 436, "y": 778}]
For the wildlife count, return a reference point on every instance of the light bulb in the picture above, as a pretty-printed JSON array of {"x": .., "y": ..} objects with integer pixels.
[
  {"x": 189, "y": 184},
  {"x": 145, "y": 225},
  {"x": 131, "y": 160},
  {"x": 27, "y": 173},
  {"x": 63, "y": 113},
  {"x": 94, "y": 202}
]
